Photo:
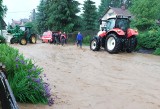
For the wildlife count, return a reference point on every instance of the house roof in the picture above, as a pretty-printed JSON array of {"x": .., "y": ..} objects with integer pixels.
[
  {"x": 24, "y": 20},
  {"x": 16, "y": 22},
  {"x": 120, "y": 11},
  {"x": 19, "y": 22}
]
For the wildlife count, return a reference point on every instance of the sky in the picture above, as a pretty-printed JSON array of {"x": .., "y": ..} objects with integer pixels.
[{"x": 19, "y": 9}]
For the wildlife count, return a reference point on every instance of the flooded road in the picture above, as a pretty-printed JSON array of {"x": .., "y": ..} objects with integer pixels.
[{"x": 83, "y": 79}]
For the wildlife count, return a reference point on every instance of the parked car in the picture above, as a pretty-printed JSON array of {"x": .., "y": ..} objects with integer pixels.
[{"x": 46, "y": 37}]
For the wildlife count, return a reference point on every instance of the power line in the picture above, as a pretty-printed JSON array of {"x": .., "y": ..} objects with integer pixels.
[{"x": 19, "y": 12}]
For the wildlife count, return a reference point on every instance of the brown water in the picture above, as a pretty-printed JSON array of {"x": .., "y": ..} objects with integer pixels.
[{"x": 83, "y": 79}]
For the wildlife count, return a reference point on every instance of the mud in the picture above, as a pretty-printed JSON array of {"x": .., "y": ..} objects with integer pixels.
[{"x": 83, "y": 79}]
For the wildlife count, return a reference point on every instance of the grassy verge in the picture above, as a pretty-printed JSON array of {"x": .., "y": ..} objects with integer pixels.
[{"x": 25, "y": 78}]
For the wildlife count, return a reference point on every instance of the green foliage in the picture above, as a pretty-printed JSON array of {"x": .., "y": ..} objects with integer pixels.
[
  {"x": 62, "y": 15},
  {"x": 88, "y": 34},
  {"x": 58, "y": 15},
  {"x": 145, "y": 9},
  {"x": 157, "y": 51},
  {"x": 3, "y": 9},
  {"x": 149, "y": 39},
  {"x": 42, "y": 16},
  {"x": 116, "y": 3},
  {"x": 146, "y": 12},
  {"x": 2, "y": 40},
  {"x": 86, "y": 40},
  {"x": 89, "y": 15},
  {"x": 103, "y": 7},
  {"x": 143, "y": 23},
  {"x": 33, "y": 26},
  {"x": 24, "y": 77}
]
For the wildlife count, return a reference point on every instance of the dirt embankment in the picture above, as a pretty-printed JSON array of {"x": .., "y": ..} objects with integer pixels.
[{"x": 83, "y": 79}]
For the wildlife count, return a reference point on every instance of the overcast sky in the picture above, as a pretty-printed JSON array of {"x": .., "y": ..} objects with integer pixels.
[{"x": 18, "y": 9}]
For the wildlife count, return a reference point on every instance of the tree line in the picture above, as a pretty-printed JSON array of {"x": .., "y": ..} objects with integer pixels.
[{"x": 66, "y": 15}]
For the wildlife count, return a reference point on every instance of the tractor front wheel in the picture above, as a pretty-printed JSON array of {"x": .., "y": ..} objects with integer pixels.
[
  {"x": 33, "y": 39},
  {"x": 12, "y": 40},
  {"x": 132, "y": 43},
  {"x": 23, "y": 41},
  {"x": 94, "y": 45},
  {"x": 113, "y": 43}
]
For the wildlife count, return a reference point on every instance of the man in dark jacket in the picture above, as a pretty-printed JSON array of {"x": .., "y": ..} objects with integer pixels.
[{"x": 79, "y": 39}]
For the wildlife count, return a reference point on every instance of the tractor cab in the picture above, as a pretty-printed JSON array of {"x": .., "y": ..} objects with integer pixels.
[
  {"x": 27, "y": 30},
  {"x": 119, "y": 22}
]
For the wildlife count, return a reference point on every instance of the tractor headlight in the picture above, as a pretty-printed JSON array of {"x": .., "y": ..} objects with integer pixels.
[
  {"x": 136, "y": 31},
  {"x": 118, "y": 31}
]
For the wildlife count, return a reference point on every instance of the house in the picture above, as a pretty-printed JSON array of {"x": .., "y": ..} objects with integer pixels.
[
  {"x": 20, "y": 22},
  {"x": 113, "y": 12}
]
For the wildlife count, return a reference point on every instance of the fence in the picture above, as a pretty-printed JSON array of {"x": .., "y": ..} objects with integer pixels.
[
  {"x": 72, "y": 36},
  {"x": 6, "y": 95}
]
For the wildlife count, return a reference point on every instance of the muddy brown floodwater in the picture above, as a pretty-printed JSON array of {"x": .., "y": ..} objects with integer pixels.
[{"x": 83, "y": 79}]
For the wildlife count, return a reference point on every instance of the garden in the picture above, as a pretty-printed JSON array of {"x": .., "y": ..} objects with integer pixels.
[{"x": 25, "y": 77}]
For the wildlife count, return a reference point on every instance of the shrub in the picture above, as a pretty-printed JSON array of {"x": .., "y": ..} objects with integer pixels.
[
  {"x": 157, "y": 51},
  {"x": 86, "y": 40},
  {"x": 24, "y": 77},
  {"x": 149, "y": 39},
  {"x": 142, "y": 24},
  {"x": 2, "y": 39}
]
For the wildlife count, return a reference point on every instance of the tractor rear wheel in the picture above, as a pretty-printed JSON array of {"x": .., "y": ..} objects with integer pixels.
[
  {"x": 113, "y": 43},
  {"x": 33, "y": 39},
  {"x": 23, "y": 41},
  {"x": 132, "y": 43},
  {"x": 94, "y": 45}
]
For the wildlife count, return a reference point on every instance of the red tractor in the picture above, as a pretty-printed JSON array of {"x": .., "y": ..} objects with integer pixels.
[{"x": 116, "y": 36}]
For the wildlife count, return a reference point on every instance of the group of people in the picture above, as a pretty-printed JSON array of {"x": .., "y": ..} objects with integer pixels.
[{"x": 61, "y": 38}]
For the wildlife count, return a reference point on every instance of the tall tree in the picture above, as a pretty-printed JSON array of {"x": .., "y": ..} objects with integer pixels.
[
  {"x": 146, "y": 8},
  {"x": 89, "y": 15},
  {"x": 63, "y": 16},
  {"x": 3, "y": 10},
  {"x": 42, "y": 16},
  {"x": 103, "y": 7},
  {"x": 146, "y": 12},
  {"x": 116, "y": 3}
]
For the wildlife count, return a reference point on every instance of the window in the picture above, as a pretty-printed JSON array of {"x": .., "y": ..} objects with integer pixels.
[
  {"x": 122, "y": 24},
  {"x": 110, "y": 24}
]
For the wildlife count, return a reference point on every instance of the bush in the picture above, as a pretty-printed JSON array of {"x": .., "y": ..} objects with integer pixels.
[
  {"x": 24, "y": 77},
  {"x": 157, "y": 51},
  {"x": 2, "y": 39},
  {"x": 149, "y": 39},
  {"x": 142, "y": 24},
  {"x": 86, "y": 40}
]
